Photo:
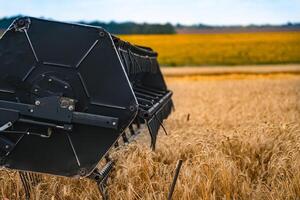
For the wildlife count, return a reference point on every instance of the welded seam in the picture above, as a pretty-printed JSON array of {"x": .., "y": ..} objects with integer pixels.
[
  {"x": 107, "y": 105},
  {"x": 87, "y": 53},
  {"x": 57, "y": 64},
  {"x": 73, "y": 149},
  {"x": 7, "y": 91},
  {"x": 31, "y": 46},
  {"x": 28, "y": 73},
  {"x": 83, "y": 84}
]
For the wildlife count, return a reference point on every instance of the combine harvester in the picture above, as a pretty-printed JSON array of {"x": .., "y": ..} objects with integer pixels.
[{"x": 68, "y": 94}]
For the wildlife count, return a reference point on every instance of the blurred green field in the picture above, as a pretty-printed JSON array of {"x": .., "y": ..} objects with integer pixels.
[{"x": 223, "y": 48}]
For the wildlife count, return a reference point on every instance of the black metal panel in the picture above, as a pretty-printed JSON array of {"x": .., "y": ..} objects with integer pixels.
[
  {"x": 60, "y": 44},
  {"x": 15, "y": 61},
  {"x": 54, "y": 155},
  {"x": 41, "y": 58}
]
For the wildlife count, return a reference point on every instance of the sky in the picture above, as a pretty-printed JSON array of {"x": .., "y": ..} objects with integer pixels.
[{"x": 212, "y": 12}]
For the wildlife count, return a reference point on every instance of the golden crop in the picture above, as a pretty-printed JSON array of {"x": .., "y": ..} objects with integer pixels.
[
  {"x": 223, "y": 49},
  {"x": 242, "y": 141}
]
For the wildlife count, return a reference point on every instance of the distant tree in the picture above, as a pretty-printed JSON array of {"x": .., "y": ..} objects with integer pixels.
[{"x": 6, "y": 21}]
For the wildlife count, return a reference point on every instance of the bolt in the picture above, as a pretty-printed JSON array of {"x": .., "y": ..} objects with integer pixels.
[
  {"x": 66, "y": 87},
  {"x": 82, "y": 171},
  {"x": 71, "y": 108},
  {"x": 21, "y": 22},
  {"x": 50, "y": 79},
  {"x": 31, "y": 110},
  {"x": 37, "y": 103},
  {"x": 114, "y": 123},
  {"x": 131, "y": 108},
  {"x": 101, "y": 33},
  {"x": 7, "y": 146},
  {"x": 36, "y": 90},
  {"x": 64, "y": 103}
]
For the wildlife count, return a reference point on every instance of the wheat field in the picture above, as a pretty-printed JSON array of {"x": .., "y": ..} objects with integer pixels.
[
  {"x": 223, "y": 48},
  {"x": 240, "y": 141}
]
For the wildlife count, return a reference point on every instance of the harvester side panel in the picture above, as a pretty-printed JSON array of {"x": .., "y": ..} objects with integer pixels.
[
  {"x": 57, "y": 59},
  {"x": 68, "y": 92}
]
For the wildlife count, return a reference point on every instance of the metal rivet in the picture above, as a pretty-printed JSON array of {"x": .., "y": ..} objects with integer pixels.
[
  {"x": 114, "y": 123},
  {"x": 7, "y": 146},
  {"x": 101, "y": 33},
  {"x": 66, "y": 87},
  {"x": 50, "y": 79},
  {"x": 37, "y": 103},
  {"x": 31, "y": 110},
  {"x": 36, "y": 90},
  {"x": 131, "y": 108},
  {"x": 82, "y": 171},
  {"x": 21, "y": 22}
]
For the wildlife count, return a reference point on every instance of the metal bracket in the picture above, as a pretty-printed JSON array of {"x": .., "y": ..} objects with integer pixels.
[
  {"x": 21, "y": 24},
  {"x": 5, "y": 126},
  {"x": 59, "y": 109}
]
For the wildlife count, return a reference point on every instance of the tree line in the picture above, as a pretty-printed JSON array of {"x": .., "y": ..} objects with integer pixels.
[
  {"x": 115, "y": 28},
  {"x": 147, "y": 28}
]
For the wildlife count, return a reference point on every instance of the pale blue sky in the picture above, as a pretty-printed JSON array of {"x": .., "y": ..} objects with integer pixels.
[{"x": 214, "y": 12}]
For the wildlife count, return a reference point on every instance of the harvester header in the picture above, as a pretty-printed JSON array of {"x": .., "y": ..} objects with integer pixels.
[{"x": 69, "y": 93}]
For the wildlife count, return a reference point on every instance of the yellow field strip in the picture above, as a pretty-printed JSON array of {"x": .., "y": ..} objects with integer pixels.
[{"x": 223, "y": 49}]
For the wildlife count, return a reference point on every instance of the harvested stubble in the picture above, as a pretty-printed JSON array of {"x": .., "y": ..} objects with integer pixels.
[{"x": 242, "y": 141}]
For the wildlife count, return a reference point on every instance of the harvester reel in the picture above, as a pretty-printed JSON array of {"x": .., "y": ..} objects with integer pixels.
[{"x": 68, "y": 92}]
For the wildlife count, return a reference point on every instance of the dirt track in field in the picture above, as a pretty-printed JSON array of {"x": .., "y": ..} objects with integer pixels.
[{"x": 225, "y": 70}]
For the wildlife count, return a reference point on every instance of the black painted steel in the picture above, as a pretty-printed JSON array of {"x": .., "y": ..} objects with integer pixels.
[{"x": 68, "y": 92}]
